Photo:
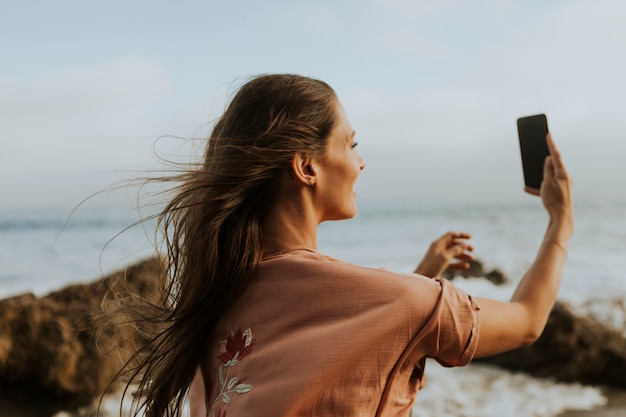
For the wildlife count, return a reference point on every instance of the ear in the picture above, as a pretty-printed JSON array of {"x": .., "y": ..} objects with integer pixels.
[{"x": 304, "y": 169}]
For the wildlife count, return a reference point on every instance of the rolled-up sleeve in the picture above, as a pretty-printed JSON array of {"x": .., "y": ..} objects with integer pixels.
[{"x": 450, "y": 334}]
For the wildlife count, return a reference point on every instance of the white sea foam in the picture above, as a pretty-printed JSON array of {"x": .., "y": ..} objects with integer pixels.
[{"x": 487, "y": 391}]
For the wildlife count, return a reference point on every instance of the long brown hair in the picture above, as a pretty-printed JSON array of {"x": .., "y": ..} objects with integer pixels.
[{"x": 212, "y": 225}]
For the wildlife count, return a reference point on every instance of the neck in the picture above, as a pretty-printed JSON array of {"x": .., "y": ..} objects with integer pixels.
[{"x": 290, "y": 223}]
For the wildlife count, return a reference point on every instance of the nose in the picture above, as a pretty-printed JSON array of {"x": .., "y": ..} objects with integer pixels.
[{"x": 361, "y": 163}]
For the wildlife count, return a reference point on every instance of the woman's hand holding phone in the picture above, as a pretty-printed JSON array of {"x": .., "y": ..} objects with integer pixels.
[{"x": 556, "y": 187}]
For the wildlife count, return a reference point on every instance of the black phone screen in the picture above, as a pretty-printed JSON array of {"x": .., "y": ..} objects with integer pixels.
[{"x": 532, "y": 132}]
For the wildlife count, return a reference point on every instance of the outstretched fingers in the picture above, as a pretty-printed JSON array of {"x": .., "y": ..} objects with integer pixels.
[
  {"x": 443, "y": 251},
  {"x": 458, "y": 235},
  {"x": 460, "y": 251}
]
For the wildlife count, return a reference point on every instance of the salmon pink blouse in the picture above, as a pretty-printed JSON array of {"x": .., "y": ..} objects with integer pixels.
[{"x": 314, "y": 336}]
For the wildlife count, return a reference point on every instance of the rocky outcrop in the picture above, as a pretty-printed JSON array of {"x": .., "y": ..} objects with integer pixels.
[
  {"x": 572, "y": 348},
  {"x": 58, "y": 349},
  {"x": 476, "y": 270}
]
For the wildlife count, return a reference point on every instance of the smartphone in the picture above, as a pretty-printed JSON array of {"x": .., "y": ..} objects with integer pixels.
[{"x": 532, "y": 132}]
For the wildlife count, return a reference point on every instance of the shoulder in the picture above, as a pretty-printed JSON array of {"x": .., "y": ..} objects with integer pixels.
[{"x": 322, "y": 270}]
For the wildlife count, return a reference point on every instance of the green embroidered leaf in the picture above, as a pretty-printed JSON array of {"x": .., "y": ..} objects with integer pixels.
[
  {"x": 231, "y": 362},
  {"x": 234, "y": 361},
  {"x": 225, "y": 398},
  {"x": 221, "y": 376},
  {"x": 243, "y": 388},
  {"x": 232, "y": 383}
]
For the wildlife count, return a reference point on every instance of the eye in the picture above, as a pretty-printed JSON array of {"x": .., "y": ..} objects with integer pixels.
[{"x": 354, "y": 145}]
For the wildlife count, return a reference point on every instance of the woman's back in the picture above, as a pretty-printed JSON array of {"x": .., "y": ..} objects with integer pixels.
[{"x": 315, "y": 336}]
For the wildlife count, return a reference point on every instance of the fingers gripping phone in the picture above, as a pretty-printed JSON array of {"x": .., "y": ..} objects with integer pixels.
[{"x": 532, "y": 132}]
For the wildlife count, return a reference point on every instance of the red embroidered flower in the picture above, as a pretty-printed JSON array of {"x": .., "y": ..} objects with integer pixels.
[{"x": 238, "y": 346}]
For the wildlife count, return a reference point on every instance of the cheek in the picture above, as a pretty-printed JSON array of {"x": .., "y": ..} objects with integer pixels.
[{"x": 356, "y": 166}]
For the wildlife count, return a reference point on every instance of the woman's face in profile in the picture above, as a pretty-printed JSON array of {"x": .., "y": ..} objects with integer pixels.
[{"x": 338, "y": 169}]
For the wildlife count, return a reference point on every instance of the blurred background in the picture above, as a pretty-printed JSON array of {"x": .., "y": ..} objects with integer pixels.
[{"x": 433, "y": 89}]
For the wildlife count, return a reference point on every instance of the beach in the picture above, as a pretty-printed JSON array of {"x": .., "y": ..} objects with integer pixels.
[
  {"x": 42, "y": 251},
  {"x": 615, "y": 406}
]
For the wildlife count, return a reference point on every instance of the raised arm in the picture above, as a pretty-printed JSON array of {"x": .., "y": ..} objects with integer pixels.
[{"x": 505, "y": 326}]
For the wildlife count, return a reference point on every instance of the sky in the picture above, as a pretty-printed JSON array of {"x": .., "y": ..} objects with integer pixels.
[{"x": 433, "y": 89}]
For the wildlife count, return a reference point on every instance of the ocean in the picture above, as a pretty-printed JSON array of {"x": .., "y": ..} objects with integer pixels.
[{"x": 41, "y": 251}]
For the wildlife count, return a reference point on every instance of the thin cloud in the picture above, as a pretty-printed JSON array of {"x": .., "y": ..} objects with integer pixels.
[{"x": 72, "y": 117}]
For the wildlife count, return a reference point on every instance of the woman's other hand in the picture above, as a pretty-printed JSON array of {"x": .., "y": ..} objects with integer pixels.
[{"x": 450, "y": 251}]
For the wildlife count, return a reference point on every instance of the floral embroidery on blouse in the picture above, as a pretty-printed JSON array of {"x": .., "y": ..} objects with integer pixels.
[{"x": 232, "y": 351}]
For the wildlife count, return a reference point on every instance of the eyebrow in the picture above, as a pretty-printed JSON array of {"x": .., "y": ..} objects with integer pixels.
[{"x": 351, "y": 136}]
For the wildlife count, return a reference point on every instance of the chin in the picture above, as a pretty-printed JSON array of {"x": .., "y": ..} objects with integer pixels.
[
  {"x": 351, "y": 213},
  {"x": 345, "y": 212},
  {"x": 348, "y": 214}
]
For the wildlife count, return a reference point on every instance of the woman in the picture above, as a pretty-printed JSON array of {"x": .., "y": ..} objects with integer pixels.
[{"x": 259, "y": 323}]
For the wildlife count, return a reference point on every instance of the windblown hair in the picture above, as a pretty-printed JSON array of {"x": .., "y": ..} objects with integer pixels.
[{"x": 212, "y": 226}]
